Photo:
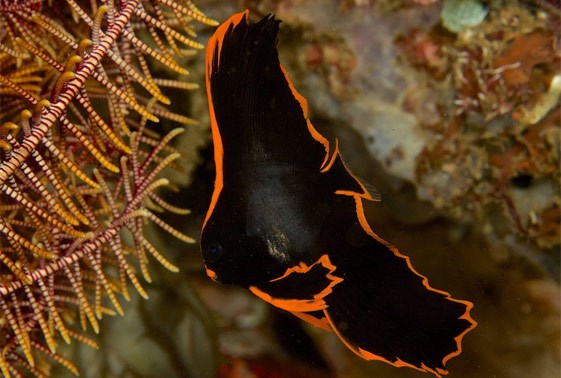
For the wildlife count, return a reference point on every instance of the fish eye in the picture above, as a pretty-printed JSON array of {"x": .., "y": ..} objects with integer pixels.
[{"x": 213, "y": 250}]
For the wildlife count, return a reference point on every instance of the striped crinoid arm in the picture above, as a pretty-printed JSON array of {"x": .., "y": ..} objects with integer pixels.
[{"x": 81, "y": 165}]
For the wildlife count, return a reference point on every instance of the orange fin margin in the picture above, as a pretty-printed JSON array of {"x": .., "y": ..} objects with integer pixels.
[
  {"x": 214, "y": 43},
  {"x": 315, "y": 302}
]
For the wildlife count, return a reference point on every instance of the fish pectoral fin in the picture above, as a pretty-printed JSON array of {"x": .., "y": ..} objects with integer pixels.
[
  {"x": 344, "y": 182},
  {"x": 302, "y": 288}
]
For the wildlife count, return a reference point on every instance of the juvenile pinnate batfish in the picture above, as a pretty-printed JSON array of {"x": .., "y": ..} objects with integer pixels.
[{"x": 286, "y": 219}]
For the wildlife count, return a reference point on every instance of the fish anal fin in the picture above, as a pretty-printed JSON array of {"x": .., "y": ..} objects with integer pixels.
[
  {"x": 408, "y": 323},
  {"x": 366, "y": 355}
]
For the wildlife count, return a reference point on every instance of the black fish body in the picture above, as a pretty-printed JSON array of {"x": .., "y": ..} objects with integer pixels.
[{"x": 286, "y": 218}]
